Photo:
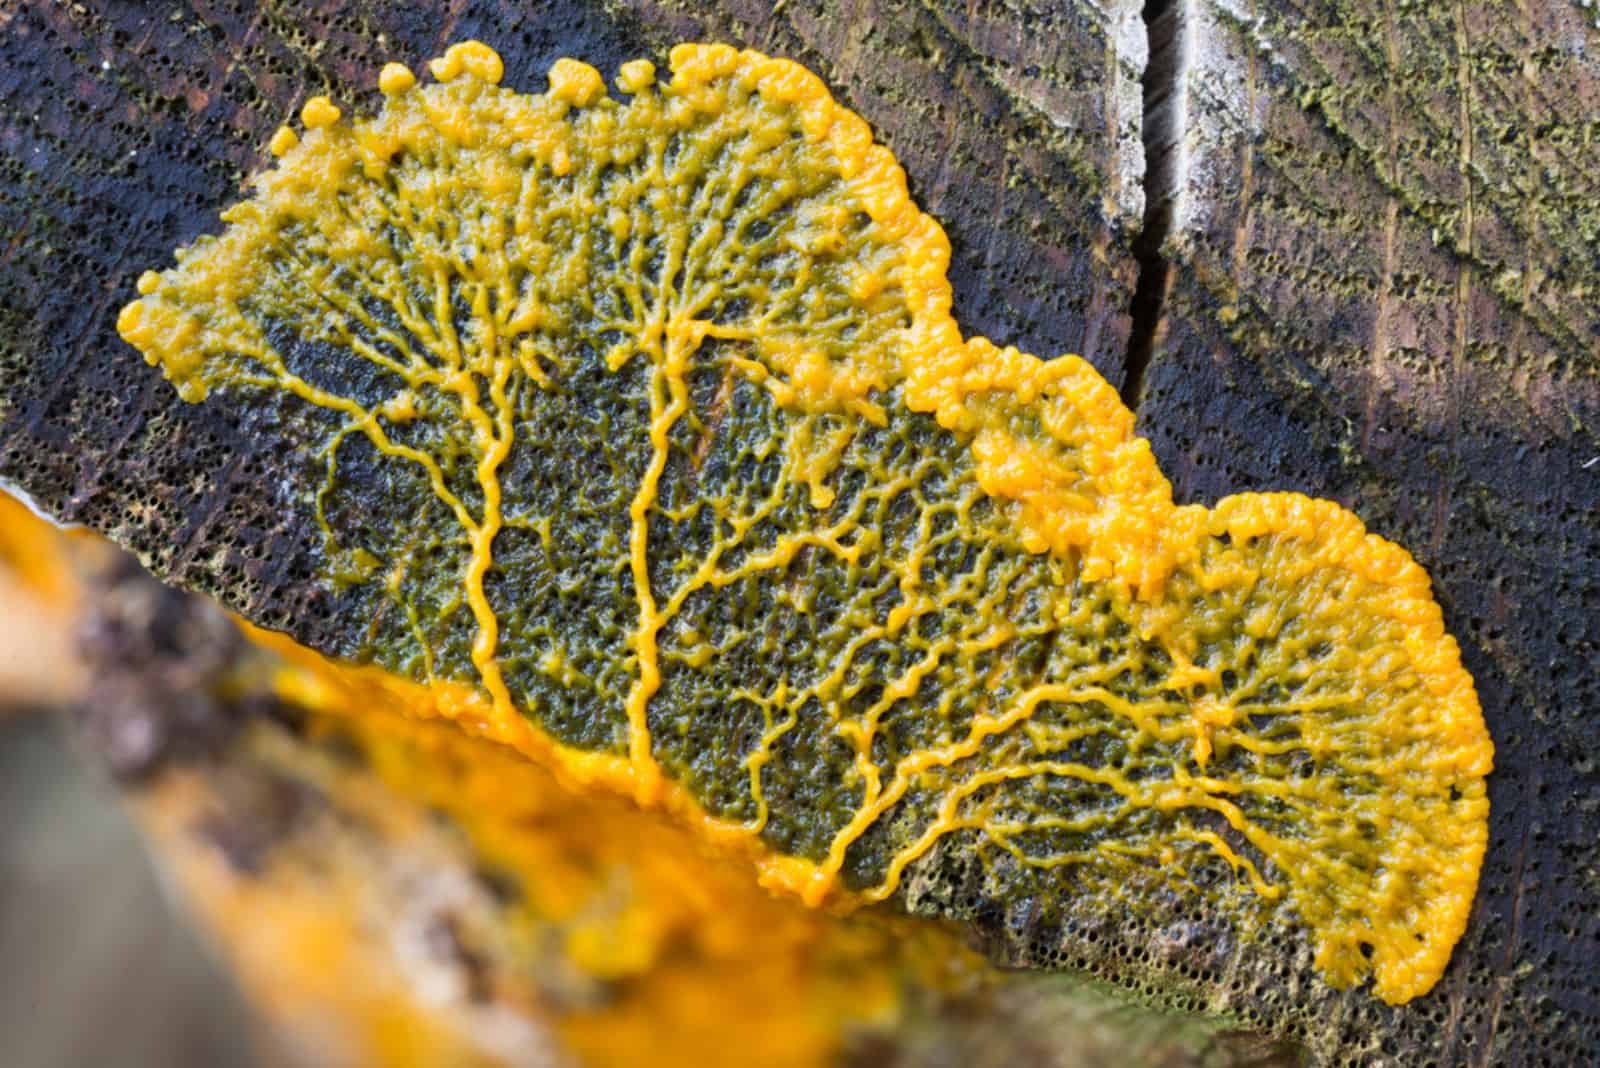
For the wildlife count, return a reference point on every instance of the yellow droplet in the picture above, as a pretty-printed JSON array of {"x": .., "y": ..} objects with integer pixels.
[
  {"x": 148, "y": 281},
  {"x": 468, "y": 57},
  {"x": 283, "y": 141},
  {"x": 636, "y": 76},
  {"x": 318, "y": 112},
  {"x": 395, "y": 78},
  {"x": 575, "y": 82},
  {"x": 129, "y": 317}
]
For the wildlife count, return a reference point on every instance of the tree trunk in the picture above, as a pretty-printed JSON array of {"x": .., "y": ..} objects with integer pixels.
[{"x": 1359, "y": 264}]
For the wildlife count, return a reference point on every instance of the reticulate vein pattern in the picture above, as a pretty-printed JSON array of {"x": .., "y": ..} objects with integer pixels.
[{"x": 708, "y": 496}]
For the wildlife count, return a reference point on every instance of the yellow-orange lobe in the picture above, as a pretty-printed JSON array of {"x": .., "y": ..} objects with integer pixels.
[
  {"x": 282, "y": 141},
  {"x": 575, "y": 82},
  {"x": 636, "y": 75},
  {"x": 318, "y": 113},
  {"x": 473, "y": 58},
  {"x": 395, "y": 78}
]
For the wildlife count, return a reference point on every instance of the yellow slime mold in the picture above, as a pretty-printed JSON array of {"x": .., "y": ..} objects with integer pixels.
[{"x": 666, "y": 396}]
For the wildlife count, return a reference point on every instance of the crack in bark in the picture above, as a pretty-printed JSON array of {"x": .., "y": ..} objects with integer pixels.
[{"x": 1162, "y": 133}]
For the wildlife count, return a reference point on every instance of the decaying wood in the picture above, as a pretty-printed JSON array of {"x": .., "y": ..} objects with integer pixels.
[{"x": 1378, "y": 283}]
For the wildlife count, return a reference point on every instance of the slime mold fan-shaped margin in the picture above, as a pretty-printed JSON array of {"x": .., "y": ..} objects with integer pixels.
[{"x": 723, "y": 486}]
